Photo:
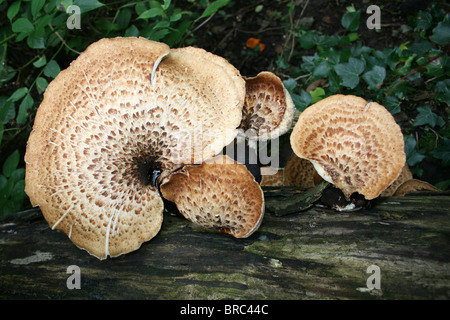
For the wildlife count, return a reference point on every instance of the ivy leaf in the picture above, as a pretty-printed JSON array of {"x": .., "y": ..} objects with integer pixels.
[
  {"x": 441, "y": 34},
  {"x": 392, "y": 104},
  {"x": 350, "y": 20},
  {"x": 443, "y": 152},
  {"x": 428, "y": 117},
  {"x": 317, "y": 94},
  {"x": 413, "y": 156},
  {"x": 442, "y": 89},
  {"x": 375, "y": 77},
  {"x": 350, "y": 71},
  {"x": 301, "y": 101}
]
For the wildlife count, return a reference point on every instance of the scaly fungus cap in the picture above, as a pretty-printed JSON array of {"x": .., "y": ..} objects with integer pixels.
[
  {"x": 268, "y": 110},
  {"x": 353, "y": 144},
  {"x": 125, "y": 110},
  {"x": 219, "y": 194}
]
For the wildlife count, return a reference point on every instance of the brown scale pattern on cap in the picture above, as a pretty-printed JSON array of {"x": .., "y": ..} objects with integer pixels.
[
  {"x": 103, "y": 129},
  {"x": 220, "y": 194},
  {"x": 404, "y": 176},
  {"x": 268, "y": 109},
  {"x": 300, "y": 172},
  {"x": 353, "y": 144}
]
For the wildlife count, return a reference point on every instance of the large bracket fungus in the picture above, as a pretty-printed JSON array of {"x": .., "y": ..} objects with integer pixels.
[
  {"x": 125, "y": 110},
  {"x": 354, "y": 144}
]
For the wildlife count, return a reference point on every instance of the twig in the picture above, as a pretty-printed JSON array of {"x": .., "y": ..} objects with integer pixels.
[
  {"x": 62, "y": 40},
  {"x": 417, "y": 69}
]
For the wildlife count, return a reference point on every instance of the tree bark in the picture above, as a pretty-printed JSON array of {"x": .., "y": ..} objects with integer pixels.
[{"x": 316, "y": 253}]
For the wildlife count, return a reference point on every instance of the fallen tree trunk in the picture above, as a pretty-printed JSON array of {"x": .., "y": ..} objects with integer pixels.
[{"x": 397, "y": 249}]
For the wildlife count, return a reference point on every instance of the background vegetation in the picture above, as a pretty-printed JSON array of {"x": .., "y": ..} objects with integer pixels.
[{"x": 318, "y": 48}]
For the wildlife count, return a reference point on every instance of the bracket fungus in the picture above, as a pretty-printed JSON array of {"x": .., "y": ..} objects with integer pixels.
[
  {"x": 353, "y": 144},
  {"x": 268, "y": 109},
  {"x": 219, "y": 194},
  {"x": 125, "y": 110}
]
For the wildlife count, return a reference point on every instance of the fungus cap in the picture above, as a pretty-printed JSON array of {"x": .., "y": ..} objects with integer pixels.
[
  {"x": 353, "y": 144},
  {"x": 125, "y": 109},
  {"x": 405, "y": 175},
  {"x": 300, "y": 172},
  {"x": 219, "y": 194},
  {"x": 268, "y": 109},
  {"x": 414, "y": 185}
]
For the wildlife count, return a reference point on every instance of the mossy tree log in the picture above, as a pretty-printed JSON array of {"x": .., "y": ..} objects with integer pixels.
[{"x": 314, "y": 254}]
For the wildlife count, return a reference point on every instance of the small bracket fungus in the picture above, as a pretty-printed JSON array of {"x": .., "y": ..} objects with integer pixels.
[
  {"x": 219, "y": 194},
  {"x": 125, "y": 110},
  {"x": 268, "y": 109},
  {"x": 405, "y": 175},
  {"x": 353, "y": 144},
  {"x": 414, "y": 185}
]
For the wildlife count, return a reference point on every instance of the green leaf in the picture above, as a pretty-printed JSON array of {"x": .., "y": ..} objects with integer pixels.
[
  {"x": 428, "y": 117},
  {"x": 213, "y": 8},
  {"x": 52, "y": 69},
  {"x": 350, "y": 20},
  {"x": 18, "y": 94},
  {"x": 35, "y": 42},
  {"x": 123, "y": 18},
  {"x": 36, "y": 6},
  {"x": 302, "y": 101},
  {"x": 26, "y": 104},
  {"x": 13, "y": 10},
  {"x": 317, "y": 94},
  {"x": 443, "y": 185},
  {"x": 375, "y": 77},
  {"x": 41, "y": 84},
  {"x": 350, "y": 71},
  {"x": 22, "y": 25},
  {"x": 2, "y": 129},
  {"x": 321, "y": 69},
  {"x": 132, "y": 31},
  {"x": 18, "y": 192},
  {"x": 290, "y": 84},
  {"x": 151, "y": 13},
  {"x": 441, "y": 34},
  {"x": 7, "y": 110},
  {"x": 166, "y": 4},
  {"x": 442, "y": 90},
  {"x": 413, "y": 156},
  {"x": 424, "y": 21},
  {"x": 442, "y": 152},
  {"x": 42, "y": 61},
  {"x": 308, "y": 39},
  {"x": 11, "y": 163},
  {"x": 392, "y": 104},
  {"x": 88, "y": 5}
]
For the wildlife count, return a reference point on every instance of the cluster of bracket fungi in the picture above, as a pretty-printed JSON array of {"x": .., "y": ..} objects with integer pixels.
[{"x": 132, "y": 122}]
